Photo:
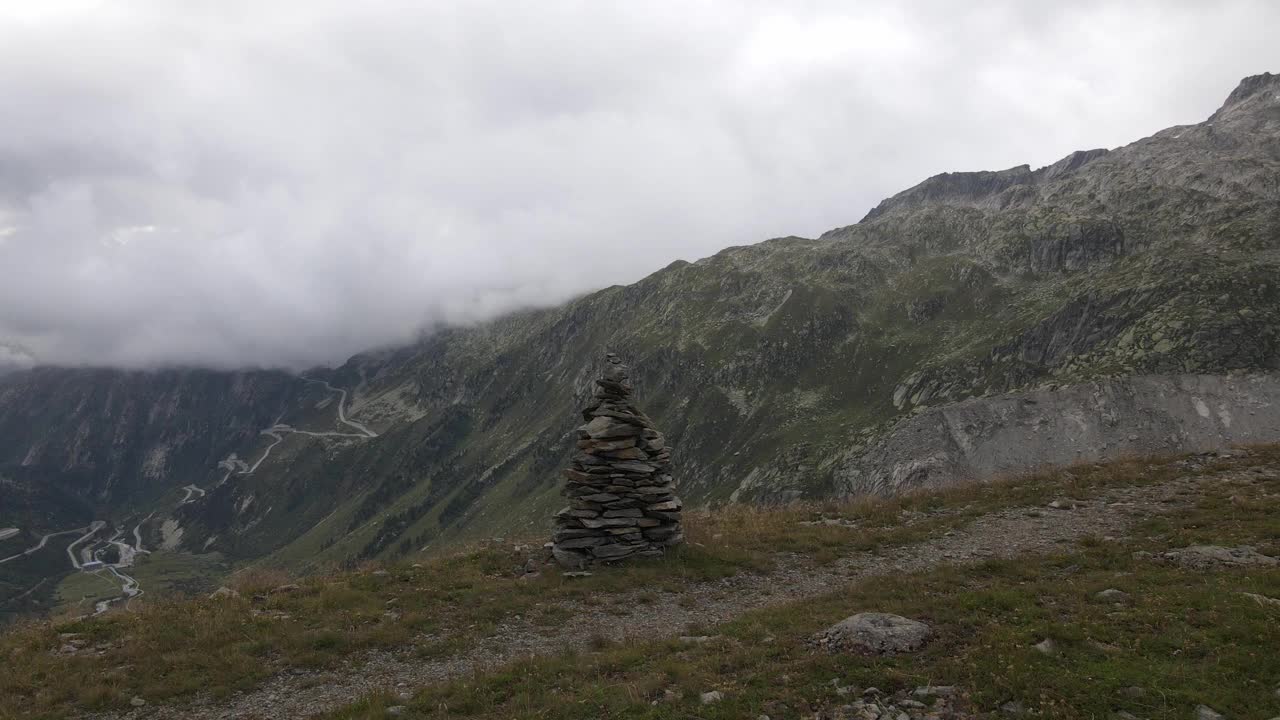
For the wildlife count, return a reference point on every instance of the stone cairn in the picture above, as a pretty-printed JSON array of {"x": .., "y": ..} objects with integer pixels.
[{"x": 622, "y": 501}]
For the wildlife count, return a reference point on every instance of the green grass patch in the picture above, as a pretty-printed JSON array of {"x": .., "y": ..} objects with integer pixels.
[
  {"x": 1184, "y": 638},
  {"x": 171, "y": 649}
]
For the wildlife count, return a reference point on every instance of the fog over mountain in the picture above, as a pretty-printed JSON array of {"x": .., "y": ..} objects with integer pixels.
[{"x": 286, "y": 183}]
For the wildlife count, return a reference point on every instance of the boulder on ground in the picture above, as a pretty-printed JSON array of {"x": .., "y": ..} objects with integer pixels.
[
  {"x": 876, "y": 633},
  {"x": 1203, "y": 557}
]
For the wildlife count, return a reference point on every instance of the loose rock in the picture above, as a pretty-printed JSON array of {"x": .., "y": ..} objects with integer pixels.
[
  {"x": 878, "y": 633},
  {"x": 1207, "y": 556},
  {"x": 1204, "y": 712}
]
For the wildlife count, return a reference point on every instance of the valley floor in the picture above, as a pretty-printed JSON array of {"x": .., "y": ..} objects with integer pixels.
[{"x": 995, "y": 569}]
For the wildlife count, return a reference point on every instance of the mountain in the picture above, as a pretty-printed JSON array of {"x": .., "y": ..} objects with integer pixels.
[{"x": 1123, "y": 290}]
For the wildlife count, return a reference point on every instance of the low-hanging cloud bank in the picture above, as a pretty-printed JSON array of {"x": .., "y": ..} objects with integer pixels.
[{"x": 287, "y": 183}]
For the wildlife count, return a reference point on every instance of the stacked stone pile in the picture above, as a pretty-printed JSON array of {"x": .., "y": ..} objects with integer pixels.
[{"x": 622, "y": 501}]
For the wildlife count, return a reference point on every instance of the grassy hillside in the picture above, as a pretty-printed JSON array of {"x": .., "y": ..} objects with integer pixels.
[{"x": 994, "y": 569}]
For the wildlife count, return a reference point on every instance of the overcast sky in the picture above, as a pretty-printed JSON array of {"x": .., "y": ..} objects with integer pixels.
[{"x": 234, "y": 183}]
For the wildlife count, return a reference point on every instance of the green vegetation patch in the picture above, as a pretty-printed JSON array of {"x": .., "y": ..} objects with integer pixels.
[
  {"x": 171, "y": 650},
  {"x": 1181, "y": 638}
]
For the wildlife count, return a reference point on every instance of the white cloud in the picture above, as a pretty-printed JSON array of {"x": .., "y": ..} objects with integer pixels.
[{"x": 286, "y": 183}]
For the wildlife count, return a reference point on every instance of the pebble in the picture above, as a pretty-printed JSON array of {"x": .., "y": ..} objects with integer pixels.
[
  {"x": 1113, "y": 595},
  {"x": 137, "y": 702},
  {"x": 708, "y": 698},
  {"x": 1047, "y": 646}
]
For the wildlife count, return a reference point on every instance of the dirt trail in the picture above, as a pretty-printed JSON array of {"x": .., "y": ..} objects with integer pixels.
[{"x": 1003, "y": 534}]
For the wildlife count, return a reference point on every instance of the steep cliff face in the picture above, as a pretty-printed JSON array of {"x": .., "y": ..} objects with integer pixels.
[
  {"x": 765, "y": 364},
  {"x": 1012, "y": 434}
]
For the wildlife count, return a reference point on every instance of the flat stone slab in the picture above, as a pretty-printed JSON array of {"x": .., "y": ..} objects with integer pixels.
[
  {"x": 875, "y": 633},
  {"x": 1208, "y": 556}
]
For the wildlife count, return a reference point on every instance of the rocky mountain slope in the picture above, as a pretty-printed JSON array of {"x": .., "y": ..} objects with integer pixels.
[{"x": 776, "y": 370}]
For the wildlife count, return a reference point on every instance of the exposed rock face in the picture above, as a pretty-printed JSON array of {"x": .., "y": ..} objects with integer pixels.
[
  {"x": 1010, "y": 434},
  {"x": 622, "y": 500}
]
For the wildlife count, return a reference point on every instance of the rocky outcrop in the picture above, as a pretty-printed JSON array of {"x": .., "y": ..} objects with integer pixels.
[
  {"x": 622, "y": 500},
  {"x": 991, "y": 437}
]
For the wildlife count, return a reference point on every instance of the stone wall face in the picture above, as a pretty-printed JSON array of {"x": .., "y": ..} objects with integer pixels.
[{"x": 622, "y": 501}]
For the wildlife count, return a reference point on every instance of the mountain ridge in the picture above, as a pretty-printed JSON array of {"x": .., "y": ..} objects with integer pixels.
[{"x": 763, "y": 363}]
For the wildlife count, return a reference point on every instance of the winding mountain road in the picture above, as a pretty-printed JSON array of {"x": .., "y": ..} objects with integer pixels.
[
  {"x": 236, "y": 466},
  {"x": 90, "y": 554},
  {"x": 127, "y": 554},
  {"x": 38, "y": 546}
]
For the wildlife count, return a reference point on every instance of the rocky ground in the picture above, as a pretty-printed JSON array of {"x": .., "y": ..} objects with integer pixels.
[{"x": 1009, "y": 533}]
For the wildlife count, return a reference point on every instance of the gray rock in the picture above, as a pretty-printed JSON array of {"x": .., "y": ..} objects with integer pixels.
[
  {"x": 582, "y": 543},
  {"x": 396, "y": 710},
  {"x": 570, "y": 558},
  {"x": 137, "y": 702},
  {"x": 1047, "y": 647},
  {"x": 223, "y": 592},
  {"x": 605, "y": 427},
  {"x": 1208, "y": 556},
  {"x": 634, "y": 466},
  {"x": 1204, "y": 712},
  {"x": 617, "y": 551},
  {"x": 1262, "y": 600},
  {"x": 707, "y": 698},
  {"x": 608, "y": 522},
  {"x": 934, "y": 691},
  {"x": 878, "y": 633},
  {"x": 601, "y": 498},
  {"x": 1112, "y": 595},
  {"x": 1013, "y": 708},
  {"x": 1133, "y": 692}
]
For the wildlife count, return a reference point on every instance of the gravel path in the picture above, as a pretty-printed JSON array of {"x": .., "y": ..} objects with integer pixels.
[{"x": 1004, "y": 534}]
